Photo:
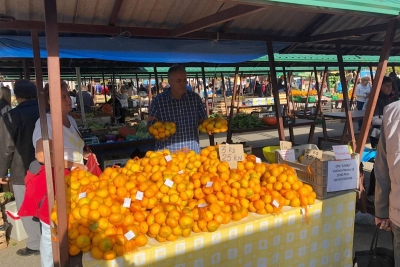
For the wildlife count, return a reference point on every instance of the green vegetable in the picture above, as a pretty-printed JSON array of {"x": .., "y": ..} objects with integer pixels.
[
  {"x": 142, "y": 127},
  {"x": 246, "y": 121}
]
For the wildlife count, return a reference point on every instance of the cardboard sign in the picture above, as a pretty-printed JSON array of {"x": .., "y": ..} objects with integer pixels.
[
  {"x": 342, "y": 175},
  {"x": 139, "y": 195},
  {"x": 231, "y": 154},
  {"x": 341, "y": 152},
  {"x": 288, "y": 155},
  {"x": 127, "y": 202},
  {"x": 310, "y": 156},
  {"x": 285, "y": 145}
]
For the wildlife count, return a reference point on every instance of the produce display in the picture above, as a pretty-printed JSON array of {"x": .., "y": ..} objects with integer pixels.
[
  {"x": 165, "y": 196},
  {"x": 214, "y": 125},
  {"x": 300, "y": 93},
  {"x": 162, "y": 130},
  {"x": 247, "y": 121}
]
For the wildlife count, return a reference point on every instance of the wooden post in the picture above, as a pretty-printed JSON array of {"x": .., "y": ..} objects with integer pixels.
[
  {"x": 60, "y": 256},
  {"x": 104, "y": 84},
  {"x": 230, "y": 120},
  {"x": 213, "y": 91},
  {"x": 223, "y": 88},
  {"x": 287, "y": 90},
  {"x": 376, "y": 85},
  {"x": 25, "y": 63},
  {"x": 355, "y": 85},
  {"x": 271, "y": 61},
  {"x": 44, "y": 130},
  {"x": 205, "y": 90},
  {"x": 349, "y": 117},
  {"x": 78, "y": 77},
  {"x": 156, "y": 77},
  {"x": 308, "y": 94},
  {"x": 239, "y": 101},
  {"x": 319, "y": 103},
  {"x": 372, "y": 74}
]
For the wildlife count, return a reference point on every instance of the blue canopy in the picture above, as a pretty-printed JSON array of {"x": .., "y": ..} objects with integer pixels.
[{"x": 141, "y": 50}]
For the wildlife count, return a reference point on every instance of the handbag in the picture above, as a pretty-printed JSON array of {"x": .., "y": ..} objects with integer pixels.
[
  {"x": 91, "y": 163},
  {"x": 375, "y": 256}
]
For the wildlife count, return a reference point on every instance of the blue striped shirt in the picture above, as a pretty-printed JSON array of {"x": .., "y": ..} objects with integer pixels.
[{"x": 185, "y": 113}]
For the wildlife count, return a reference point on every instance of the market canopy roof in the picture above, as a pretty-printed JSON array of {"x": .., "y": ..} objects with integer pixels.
[{"x": 308, "y": 27}]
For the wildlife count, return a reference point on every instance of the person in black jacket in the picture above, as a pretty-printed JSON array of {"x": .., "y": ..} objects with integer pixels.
[
  {"x": 17, "y": 152},
  {"x": 385, "y": 98}
]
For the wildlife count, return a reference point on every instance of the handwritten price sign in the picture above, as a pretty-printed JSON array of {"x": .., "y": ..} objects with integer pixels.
[
  {"x": 285, "y": 145},
  {"x": 231, "y": 154},
  {"x": 310, "y": 156}
]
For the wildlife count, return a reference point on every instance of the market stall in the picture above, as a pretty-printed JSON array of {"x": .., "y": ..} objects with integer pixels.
[{"x": 322, "y": 237}]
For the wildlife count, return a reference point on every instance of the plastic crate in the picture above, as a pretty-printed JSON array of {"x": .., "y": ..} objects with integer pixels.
[{"x": 318, "y": 178}]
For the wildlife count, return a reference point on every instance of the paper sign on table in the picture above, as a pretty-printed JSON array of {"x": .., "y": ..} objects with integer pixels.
[
  {"x": 285, "y": 145},
  {"x": 341, "y": 152},
  {"x": 342, "y": 175},
  {"x": 82, "y": 195},
  {"x": 169, "y": 183},
  {"x": 258, "y": 160},
  {"x": 139, "y": 195},
  {"x": 288, "y": 155},
  {"x": 231, "y": 154},
  {"x": 310, "y": 156}
]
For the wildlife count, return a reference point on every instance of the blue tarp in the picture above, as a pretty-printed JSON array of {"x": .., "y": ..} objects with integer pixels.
[{"x": 141, "y": 50}]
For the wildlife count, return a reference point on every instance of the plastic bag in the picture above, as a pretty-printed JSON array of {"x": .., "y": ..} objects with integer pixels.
[{"x": 92, "y": 165}]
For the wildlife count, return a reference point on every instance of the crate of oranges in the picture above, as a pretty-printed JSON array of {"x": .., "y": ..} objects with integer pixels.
[
  {"x": 162, "y": 130},
  {"x": 214, "y": 125}
]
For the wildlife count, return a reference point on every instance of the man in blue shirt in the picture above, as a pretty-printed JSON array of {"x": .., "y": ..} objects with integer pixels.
[{"x": 181, "y": 106}]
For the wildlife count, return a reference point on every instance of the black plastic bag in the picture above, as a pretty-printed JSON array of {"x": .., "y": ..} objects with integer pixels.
[{"x": 375, "y": 256}]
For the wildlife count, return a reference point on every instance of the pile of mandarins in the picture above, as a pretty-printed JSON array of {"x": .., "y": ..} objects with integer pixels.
[
  {"x": 162, "y": 130},
  {"x": 214, "y": 125},
  {"x": 165, "y": 196}
]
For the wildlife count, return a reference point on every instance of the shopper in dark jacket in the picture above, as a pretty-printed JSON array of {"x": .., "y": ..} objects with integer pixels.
[
  {"x": 17, "y": 152},
  {"x": 385, "y": 98}
]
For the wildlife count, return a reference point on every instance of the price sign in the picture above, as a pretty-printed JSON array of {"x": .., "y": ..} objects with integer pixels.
[
  {"x": 168, "y": 158},
  {"x": 169, "y": 183},
  {"x": 342, "y": 175},
  {"x": 310, "y": 156},
  {"x": 82, "y": 195},
  {"x": 139, "y": 195},
  {"x": 258, "y": 160},
  {"x": 209, "y": 184},
  {"x": 288, "y": 155},
  {"x": 341, "y": 152},
  {"x": 231, "y": 154},
  {"x": 285, "y": 145},
  {"x": 129, "y": 235},
  {"x": 127, "y": 202}
]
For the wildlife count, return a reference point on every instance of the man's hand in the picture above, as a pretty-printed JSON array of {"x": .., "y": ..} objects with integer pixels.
[
  {"x": 4, "y": 180},
  {"x": 385, "y": 224}
]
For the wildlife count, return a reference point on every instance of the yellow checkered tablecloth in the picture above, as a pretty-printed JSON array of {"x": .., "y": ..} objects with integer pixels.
[{"x": 259, "y": 241}]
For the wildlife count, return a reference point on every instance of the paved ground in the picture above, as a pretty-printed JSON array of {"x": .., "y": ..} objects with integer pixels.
[{"x": 363, "y": 228}]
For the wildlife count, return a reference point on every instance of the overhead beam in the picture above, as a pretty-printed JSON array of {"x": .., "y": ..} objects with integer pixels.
[
  {"x": 348, "y": 33},
  {"x": 115, "y": 12},
  {"x": 217, "y": 18}
]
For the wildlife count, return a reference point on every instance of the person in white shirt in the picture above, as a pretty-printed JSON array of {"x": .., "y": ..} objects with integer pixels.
[{"x": 363, "y": 90}]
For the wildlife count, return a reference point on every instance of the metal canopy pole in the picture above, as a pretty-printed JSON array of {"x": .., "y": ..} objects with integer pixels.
[
  {"x": 203, "y": 74},
  {"x": 44, "y": 130},
  {"x": 198, "y": 83},
  {"x": 156, "y": 77},
  {"x": 271, "y": 62},
  {"x": 240, "y": 92},
  {"x": 25, "y": 63},
  {"x": 223, "y": 88},
  {"x": 376, "y": 86},
  {"x": 230, "y": 122},
  {"x": 354, "y": 87},
  {"x": 61, "y": 256},
  {"x": 319, "y": 103},
  {"x": 104, "y": 84},
  {"x": 113, "y": 119},
  {"x": 349, "y": 117},
  {"x": 372, "y": 74},
  {"x": 78, "y": 77},
  {"x": 287, "y": 90},
  {"x": 213, "y": 91},
  {"x": 396, "y": 89}
]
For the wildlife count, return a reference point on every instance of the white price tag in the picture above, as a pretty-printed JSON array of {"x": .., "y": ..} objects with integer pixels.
[
  {"x": 285, "y": 145},
  {"x": 209, "y": 184},
  {"x": 258, "y": 160},
  {"x": 180, "y": 172},
  {"x": 341, "y": 152},
  {"x": 82, "y": 195},
  {"x": 139, "y": 195},
  {"x": 169, "y": 183},
  {"x": 129, "y": 235},
  {"x": 302, "y": 211},
  {"x": 275, "y": 203},
  {"x": 202, "y": 205},
  {"x": 168, "y": 158},
  {"x": 310, "y": 156},
  {"x": 288, "y": 155},
  {"x": 127, "y": 202}
]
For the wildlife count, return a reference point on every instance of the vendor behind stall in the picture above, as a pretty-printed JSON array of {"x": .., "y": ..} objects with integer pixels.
[{"x": 184, "y": 108}]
